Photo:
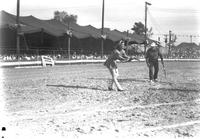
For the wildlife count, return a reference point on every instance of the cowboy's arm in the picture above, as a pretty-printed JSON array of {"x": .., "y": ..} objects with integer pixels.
[
  {"x": 120, "y": 56},
  {"x": 161, "y": 57},
  {"x": 147, "y": 58},
  {"x": 129, "y": 58},
  {"x": 124, "y": 55}
]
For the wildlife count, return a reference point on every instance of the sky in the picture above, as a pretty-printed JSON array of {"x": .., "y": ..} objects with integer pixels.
[{"x": 182, "y": 17}]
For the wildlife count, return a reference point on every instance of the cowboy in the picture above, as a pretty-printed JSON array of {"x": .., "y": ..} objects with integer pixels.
[{"x": 152, "y": 56}]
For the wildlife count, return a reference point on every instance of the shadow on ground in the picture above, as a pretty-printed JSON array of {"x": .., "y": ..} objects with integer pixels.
[
  {"x": 76, "y": 87},
  {"x": 123, "y": 80},
  {"x": 175, "y": 89}
]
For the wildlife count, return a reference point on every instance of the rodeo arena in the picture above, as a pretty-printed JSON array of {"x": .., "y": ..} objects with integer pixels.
[{"x": 67, "y": 81}]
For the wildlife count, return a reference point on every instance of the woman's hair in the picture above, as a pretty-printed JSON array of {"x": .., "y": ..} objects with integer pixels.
[
  {"x": 119, "y": 45},
  {"x": 121, "y": 41}
]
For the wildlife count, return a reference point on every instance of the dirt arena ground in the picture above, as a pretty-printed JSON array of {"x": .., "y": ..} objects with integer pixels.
[{"x": 72, "y": 102}]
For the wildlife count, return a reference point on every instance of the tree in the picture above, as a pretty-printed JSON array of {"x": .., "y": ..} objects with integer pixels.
[
  {"x": 65, "y": 17},
  {"x": 139, "y": 29}
]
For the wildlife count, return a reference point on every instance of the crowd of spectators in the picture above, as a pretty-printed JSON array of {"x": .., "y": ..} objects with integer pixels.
[
  {"x": 13, "y": 57},
  {"x": 175, "y": 54},
  {"x": 186, "y": 54},
  {"x": 25, "y": 57}
]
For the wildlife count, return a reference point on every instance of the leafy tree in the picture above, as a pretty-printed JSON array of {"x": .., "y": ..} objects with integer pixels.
[
  {"x": 139, "y": 29},
  {"x": 65, "y": 17}
]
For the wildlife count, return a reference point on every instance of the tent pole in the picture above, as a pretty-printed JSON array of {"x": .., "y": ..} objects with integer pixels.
[
  {"x": 145, "y": 43},
  {"x": 18, "y": 30},
  {"x": 102, "y": 31},
  {"x": 69, "y": 47},
  {"x": 69, "y": 43}
]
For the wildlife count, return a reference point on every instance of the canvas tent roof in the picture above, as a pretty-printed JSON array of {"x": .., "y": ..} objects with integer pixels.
[
  {"x": 62, "y": 28},
  {"x": 9, "y": 20},
  {"x": 96, "y": 33},
  {"x": 133, "y": 38},
  {"x": 137, "y": 38},
  {"x": 48, "y": 28},
  {"x": 84, "y": 29},
  {"x": 31, "y": 24},
  {"x": 113, "y": 35}
]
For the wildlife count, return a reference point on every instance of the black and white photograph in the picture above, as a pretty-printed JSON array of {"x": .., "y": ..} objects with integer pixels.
[{"x": 98, "y": 69}]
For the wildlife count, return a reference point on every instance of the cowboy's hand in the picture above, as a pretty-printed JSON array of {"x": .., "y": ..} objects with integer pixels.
[
  {"x": 148, "y": 65},
  {"x": 164, "y": 68},
  {"x": 136, "y": 58},
  {"x": 130, "y": 59}
]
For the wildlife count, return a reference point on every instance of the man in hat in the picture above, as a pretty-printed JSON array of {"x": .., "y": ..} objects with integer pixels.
[{"x": 152, "y": 55}]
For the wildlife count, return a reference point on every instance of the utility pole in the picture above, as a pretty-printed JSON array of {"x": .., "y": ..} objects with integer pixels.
[
  {"x": 145, "y": 45},
  {"x": 170, "y": 36},
  {"x": 127, "y": 41},
  {"x": 190, "y": 38},
  {"x": 158, "y": 39},
  {"x": 127, "y": 32},
  {"x": 165, "y": 39},
  {"x": 69, "y": 34},
  {"x": 102, "y": 31},
  {"x": 69, "y": 41},
  {"x": 69, "y": 56},
  {"x": 128, "y": 38},
  {"x": 18, "y": 30}
]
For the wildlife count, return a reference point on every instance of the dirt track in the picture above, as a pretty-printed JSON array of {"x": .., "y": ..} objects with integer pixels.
[{"x": 72, "y": 101}]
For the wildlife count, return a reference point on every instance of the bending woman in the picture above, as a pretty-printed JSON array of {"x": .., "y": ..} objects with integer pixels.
[{"x": 117, "y": 54}]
